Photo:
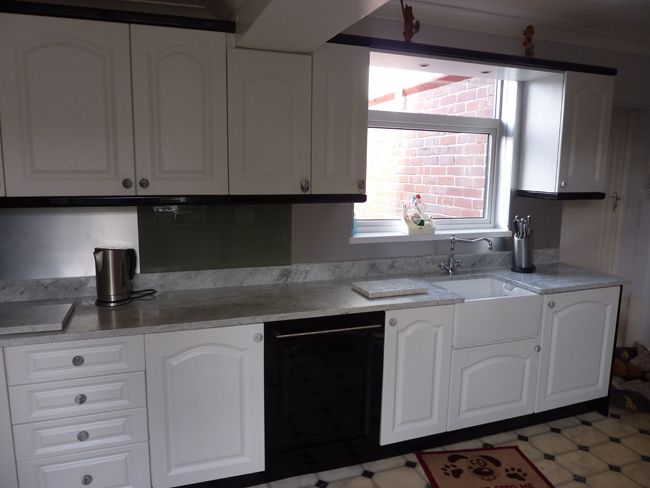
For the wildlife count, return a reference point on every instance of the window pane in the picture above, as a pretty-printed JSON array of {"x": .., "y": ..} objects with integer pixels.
[
  {"x": 448, "y": 170},
  {"x": 401, "y": 90}
]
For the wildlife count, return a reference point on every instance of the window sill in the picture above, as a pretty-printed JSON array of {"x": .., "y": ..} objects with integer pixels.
[{"x": 385, "y": 237}]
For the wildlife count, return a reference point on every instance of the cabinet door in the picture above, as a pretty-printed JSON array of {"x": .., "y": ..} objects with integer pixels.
[
  {"x": 417, "y": 354},
  {"x": 65, "y": 106},
  {"x": 586, "y": 120},
  {"x": 494, "y": 382},
  {"x": 339, "y": 119},
  {"x": 269, "y": 122},
  {"x": 205, "y": 393},
  {"x": 179, "y": 105},
  {"x": 8, "y": 477},
  {"x": 578, "y": 330},
  {"x": 2, "y": 173}
]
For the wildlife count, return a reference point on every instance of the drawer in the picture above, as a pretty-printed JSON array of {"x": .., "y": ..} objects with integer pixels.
[
  {"x": 125, "y": 467},
  {"x": 78, "y": 359},
  {"x": 80, "y": 434},
  {"x": 59, "y": 399}
]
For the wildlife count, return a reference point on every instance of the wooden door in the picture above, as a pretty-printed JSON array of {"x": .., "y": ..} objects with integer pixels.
[
  {"x": 492, "y": 382},
  {"x": 65, "y": 107},
  {"x": 179, "y": 104},
  {"x": 205, "y": 391},
  {"x": 339, "y": 119},
  {"x": 586, "y": 120},
  {"x": 577, "y": 345},
  {"x": 417, "y": 356},
  {"x": 269, "y": 122}
]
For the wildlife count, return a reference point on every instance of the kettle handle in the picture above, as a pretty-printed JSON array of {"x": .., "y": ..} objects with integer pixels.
[{"x": 132, "y": 262}]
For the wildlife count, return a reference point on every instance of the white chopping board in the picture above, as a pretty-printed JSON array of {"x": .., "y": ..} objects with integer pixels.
[
  {"x": 23, "y": 317},
  {"x": 390, "y": 288}
]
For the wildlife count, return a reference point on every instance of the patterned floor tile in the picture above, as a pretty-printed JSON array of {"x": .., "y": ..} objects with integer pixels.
[
  {"x": 552, "y": 443},
  {"x": 639, "y": 442},
  {"x": 615, "y": 428},
  {"x": 533, "y": 430},
  {"x": 581, "y": 463},
  {"x": 359, "y": 482},
  {"x": 573, "y": 484},
  {"x": 499, "y": 438},
  {"x": 564, "y": 423},
  {"x": 611, "y": 479},
  {"x": 384, "y": 464},
  {"x": 296, "y": 482},
  {"x": 585, "y": 435},
  {"x": 639, "y": 420},
  {"x": 591, "y": 416},
  {"x": 639, "y": 472},
  {"x": 340, "y": 474},
  {"x": 402, "y": 477},
  {"x": 555, "y": 473},
  {"x": 616, "y": 454},
  {"x": 530, "y": 451}
]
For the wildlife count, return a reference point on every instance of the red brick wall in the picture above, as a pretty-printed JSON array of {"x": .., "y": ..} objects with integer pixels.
[{"x": 446, "y": 169}]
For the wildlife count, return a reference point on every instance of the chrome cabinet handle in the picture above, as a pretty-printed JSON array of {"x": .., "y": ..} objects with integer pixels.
[
  {"x": 80, "y": 399},
  {"x": 392, "y": 322},
  {"x": 551, "y": 304},
  {"x": 259, "y": 337},
  {"x": 86, "y": 479},
  {"x": 563, "y": 184},
  {"x": 144, "y": 183},
  {"x": 78, "y": 360},
  {"x": 127, "y": 183},
  {"x": 83, "y": 436},
  {"x": 330, "y": 331},
  {"x": 537, "y": 348},
  {"x": 304, "y": 185},
  {"x": 361, "y": 185}
]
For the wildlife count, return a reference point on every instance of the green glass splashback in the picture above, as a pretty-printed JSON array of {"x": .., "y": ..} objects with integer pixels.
[{"x": 193, "y": 237}]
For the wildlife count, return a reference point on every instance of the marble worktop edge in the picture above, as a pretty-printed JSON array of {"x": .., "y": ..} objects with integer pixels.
[{"x": 71, "y": 288}]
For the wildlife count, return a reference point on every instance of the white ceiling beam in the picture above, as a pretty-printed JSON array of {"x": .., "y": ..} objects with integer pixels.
[{"x": 297, "y": 25}]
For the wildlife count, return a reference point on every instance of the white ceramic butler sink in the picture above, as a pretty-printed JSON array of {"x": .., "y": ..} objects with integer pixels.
[{"x": 493, "y": 311}]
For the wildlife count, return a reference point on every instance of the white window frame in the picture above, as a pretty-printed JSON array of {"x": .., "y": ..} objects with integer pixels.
[{"x": 371, "y": 228}]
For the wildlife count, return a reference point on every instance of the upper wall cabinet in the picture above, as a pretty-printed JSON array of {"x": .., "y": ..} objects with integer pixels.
[
  {"x": 65, "y": 107},
  {"x": 565, "y": 132},
  {"x": 269, "y": 122},
  {"x": 179, "y": 104},
  {"x": 339, "y": 119}
]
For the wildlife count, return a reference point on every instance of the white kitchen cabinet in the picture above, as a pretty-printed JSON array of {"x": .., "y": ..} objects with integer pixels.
[
  {"x": 65, "y": 107},
  {"x": 417, "y": 354},
  {"x": 578, "y": 332},
  {"x": 205, "y": 391},
  {"x": 179, "y": 111},
  {"x": 269, "y": 122},
  {"x": 565, "y": 133},
  {"x": 2, "y": 172},
  {"x": 339, "y": 119},
  {"x": 492, "y": 382},
  {"x": 8, "y": 476}
]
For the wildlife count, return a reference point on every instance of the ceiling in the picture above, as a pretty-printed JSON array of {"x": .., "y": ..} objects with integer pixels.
[{"x": 612, "y": 20}]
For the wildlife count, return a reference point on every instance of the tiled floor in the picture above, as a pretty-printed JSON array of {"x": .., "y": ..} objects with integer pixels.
[{"x": 577, "y": 452}]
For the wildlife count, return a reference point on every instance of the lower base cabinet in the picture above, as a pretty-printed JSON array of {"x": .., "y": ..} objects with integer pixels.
[
  {"x": 7, "y": 458},
  {"x": 492, "y": 382},
  {"x": 205, "y": 391}
]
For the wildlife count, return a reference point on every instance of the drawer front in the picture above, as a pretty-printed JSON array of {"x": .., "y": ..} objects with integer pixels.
[
  {"x": 78, "y": 359},
  {"x": 126, "y": 467},
  {"x": 71, "y": 398},
  {"x": 80, "y": 434}
]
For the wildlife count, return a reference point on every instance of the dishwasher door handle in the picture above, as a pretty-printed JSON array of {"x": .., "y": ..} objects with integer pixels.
[{"x": 329, "y": 331}]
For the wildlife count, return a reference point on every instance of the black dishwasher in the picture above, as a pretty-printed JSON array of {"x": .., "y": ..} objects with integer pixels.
[{"x": 323, "y": 391}]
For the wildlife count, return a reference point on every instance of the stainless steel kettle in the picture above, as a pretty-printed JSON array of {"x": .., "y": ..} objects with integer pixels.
[{"x": 114, "y": 270}]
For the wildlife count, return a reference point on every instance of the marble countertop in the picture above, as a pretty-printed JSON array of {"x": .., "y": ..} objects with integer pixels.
[{"x": 228, "y": 306}]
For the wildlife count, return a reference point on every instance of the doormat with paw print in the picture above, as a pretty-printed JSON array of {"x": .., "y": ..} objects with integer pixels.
[{"x": 495, "y": 467}]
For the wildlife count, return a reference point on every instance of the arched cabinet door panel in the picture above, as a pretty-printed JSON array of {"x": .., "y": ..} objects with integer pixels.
[
  {"x": 65, "y": 107},
  {"x": 205, "y": 391},
  {"x": 417, "y": 353}
]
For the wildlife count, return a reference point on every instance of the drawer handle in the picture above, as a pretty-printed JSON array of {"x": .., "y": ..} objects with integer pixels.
[
  {"x": 537, "y": 348},
  {"x": 83, "y": 436},
  {"x": 551, "y": 304},
  {"x": 86, "y": 479},
  {"x": 78, "y": 360},
  {"x": 392, "y": 322},
  {"x": 80, "y": 399}
]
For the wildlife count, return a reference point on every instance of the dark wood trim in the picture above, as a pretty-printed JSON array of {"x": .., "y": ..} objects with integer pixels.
[
  {"x": 600, "y": 404},
  {"x": 90, "y": 201},
  {"x": 561, "y": 196},
  {"x": 122, "y": 16},
  {"x": 469, "y": 55}
]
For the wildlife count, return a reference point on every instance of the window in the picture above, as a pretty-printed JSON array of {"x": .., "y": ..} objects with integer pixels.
[{"x": 434, "y": 129}]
